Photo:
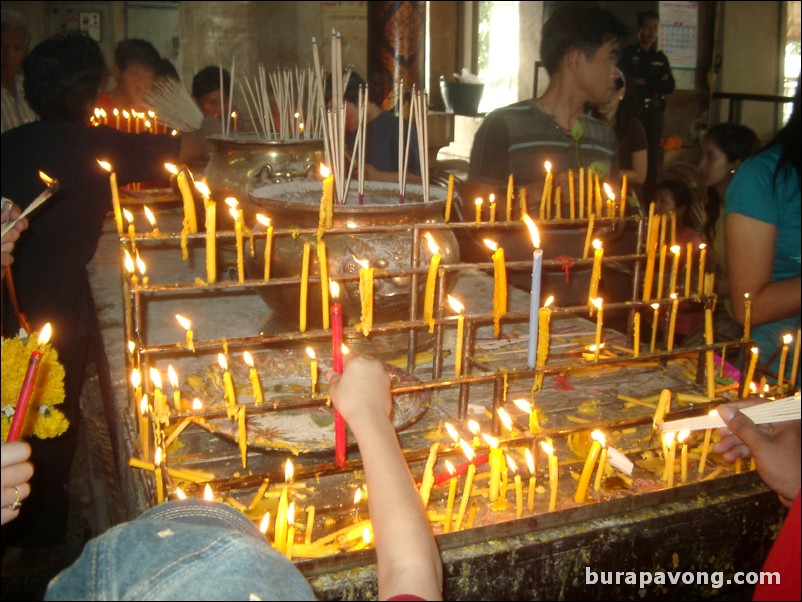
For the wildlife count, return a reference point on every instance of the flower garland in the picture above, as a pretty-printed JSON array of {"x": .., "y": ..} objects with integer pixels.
[{"x": 43, "y": 419}]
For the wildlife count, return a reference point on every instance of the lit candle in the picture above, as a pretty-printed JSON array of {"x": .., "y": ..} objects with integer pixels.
[
  {"x": 544, "y": 336},
  {"x": 705, "y": 451},
  {"x": 159, "y": 400},
  {"x": 449, "y": 198},
  {"x": 670, "y": 441},
  {"x": 151, "y": 220},
  {"x": 747, "y": 317},
  {"x": 312, "y": 368},
  {"x": 597, "y": 482},
  {"x": 431, "y": 281},
  {"x": 452, "y": 494},
  {"x": 590, "y": 463},
  {"x": 595, "y": 274},
  {"x": 709, "y": 358},
  {"x": 265, "y": 221},
  {"x": 598, "y": 304},
  {"x": 428, "y": 475},
  {"x": 365, "y": 295},
  {"x": 256, "y": 384},
  {"x": 522, "y": 205},
  {"x": 144, "y": 435},
  {"x": 127, "y": 116},
  {"x": 157, "y": 462},
  {"x": 651, "y": 252},
  {"x": 534, "y": 295},
  {"x": 681, "y": 437},
  {"x": 310, "y": 524},
  {"x": 701, "y": 276},
  {"x": 588, "y": 236},
  {"x": 142, "y": 270},
  {"x": 492, "y": 200},
  {"x": 623, "y": 195},
  {"x": 688, "y": 267},
  {"x": 795, "y": 362},
  {"x": 288, "y": 546},
  {"x": 129, "y": 217},
  {"x": 546, "y": 196},
  {"x": 672, "y": 286},
  {"x": 598, "y": 195},
  {"x": 478, "y": 204},
  {"x": 326, "y": 213},
  {"x": 495, "y": 461},
  {"x": 304, "y": 288},
  {"x": 750, "y": 372},
  {"x": 115, "y": 195},
  {"x": 234, "y": 118},
  {"x": 211, "y": 232},
  {"x": 116, "y": 113},
  {"x": 581, "y": 199},
  {"x": 530, "y": 464},
  {"x": 783, "y": 359},
  {"x": 530, "y": 410},
  {"x": 610, "y": 200},
  {"x": 240, "y": 245},
  {"x": 636, "y": 335},
  {"x": 187, "y": 326},
  {"x": 466, "y": 492},
  {"x": 28, "y": 383},
  {"x": 519, "y": 489},
  {"x": 228, "y": 383},
  {"x": 510, "y": 195},
  {"x": 554, "y": 475},
  {"x": 337, "y": 367},
  {"x": 571, "y": 199},
  {"x": 661, "y": 272},
  {"x": 499, "y": 284},
  {"x": 242, "y": 436},
  {"x": 656, "y": 308},
  {"x": 172, "y": 378},
  {"x": 672, "y": 322},
  {"x": 281, "y": 511},
  {"x": 323, "y": 267},
  {"x": 458, "y": 307}
]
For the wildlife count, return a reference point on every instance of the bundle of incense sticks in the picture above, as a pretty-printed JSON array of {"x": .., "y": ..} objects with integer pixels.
[{"x": 781, "y": 410}]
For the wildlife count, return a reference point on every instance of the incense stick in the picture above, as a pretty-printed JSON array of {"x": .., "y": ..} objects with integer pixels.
[
  {"x": 174, "y": 106},
  {"x": 46, "y": 194},
  {"x": 781, "y": 410}
]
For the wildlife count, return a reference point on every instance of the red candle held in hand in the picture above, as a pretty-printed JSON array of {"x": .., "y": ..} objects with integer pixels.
[
  {"x": 337, "y": 365},
  {"x": 28, "y": 383}
]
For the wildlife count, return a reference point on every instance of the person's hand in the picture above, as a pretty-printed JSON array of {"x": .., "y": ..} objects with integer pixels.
[
  {"x": 775, "y": 447},
  {"x": 361, "y": 393},
  {"x": 10, "y": 212},
  {"x": 16, "y": 472}
]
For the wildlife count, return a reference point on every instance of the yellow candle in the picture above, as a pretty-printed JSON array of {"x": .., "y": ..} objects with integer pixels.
[
  {"x": 598, "y": 303},
  {"x": 157, "y": 461},
  {"x": 312, "y": 368},
  {"x": 184, "y": 187},
  {"x": 530, "y": 464},
  {"x": 623, "y": 195},
  {"x": 701, "y": 276},
  {"x": 290, "y": 543},
  {"x": 265, "y": 221},
  {"x": 326, "y": 212},
  {"x": 681, "y": 437},
  {"x": 240, "y": 245},
  {"x": 705, "y": 451},
  {"x": 478, "y": 204},
  {"x": 115, "y": 195},
  {"x": 159, "y": 400},
  {"x": 452, "y": 494},
  {"x": 747, "y": 317},
  {"x": 651, "y": 253},
  {"x": 795, "y": 363},
  {"x": 610, "y": 200},
  {"x": 366, "y": 295},
  {"x": 187, "y": 326},
  {"x": 304, "y": 288},
  {"x": 546, "y": 196},
  {"x": 280, "y": 538},
  {"x": 458, "y": 307},
  {"x": 571, "y": 199},
  {"x": 672, "y": 287},
  {"x": 310, "y": 524},
  {"x": 323, "y": 263},
  {"x": 656, "y": 308},
  {"x": 709, "y": 359},
  {"x": 499, "y": 284},
  {"x": 129, "y": 217},
  {"x": 242, "y": 436},
  {"x": 449, "y": 198},
  {"x": 554, "y": 474},
  {"x": 228, "y": 383},
  {"x": 211, "y": 232},
  {"x": 431, "y": 282},
  {"x": 492, "y": 200},
  {"x": 663, "y": 406},
  {"x": 595, "y": 274},
  {"x": 600, "y": 470},
  {"x": 144, "y": 427},
  {"x": 495, "y": 461},
  {"x": 510, "y": 195},
  {"x": 256, "y": 385},
  {"x": 519, "y": 494},
  {"x": 750, "y": 372},
  {"x": 558, "y": 203},
  {"x": 543, "y": 339},
  {"x": 688, "y": 267},
  {"x": 598, "y": 195},
  {"x": 466, "y": 494},
  {"x": 661, "y": 272},
  {"x": 522, "y": 200},
  {"x": 783, "y": 359},
  {"x": 673, "y": 217},
  {"x": 672, "y": 321},
  {"x": 670, "y": 441},
  {"x": 172, "y": 377},
  {"x": 636, "y": 335},
  {"x": 428, "y": 475},
  {"x": 588, "y": 236},
  {"x": 587, "y": 469},
  {"x": 581, "y": 200}
]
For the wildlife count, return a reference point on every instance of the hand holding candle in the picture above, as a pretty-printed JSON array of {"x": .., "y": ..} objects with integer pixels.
[{"x": 28, "y": 384}]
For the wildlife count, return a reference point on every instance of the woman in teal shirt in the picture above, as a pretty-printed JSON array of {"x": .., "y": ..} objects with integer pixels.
[{"x": 763, "y": 232}]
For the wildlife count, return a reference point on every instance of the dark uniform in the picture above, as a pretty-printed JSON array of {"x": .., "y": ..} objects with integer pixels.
[{"x": 651, "y": 66}]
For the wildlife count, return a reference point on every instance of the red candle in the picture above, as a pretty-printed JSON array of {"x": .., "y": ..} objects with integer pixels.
[
  {"x": 337, "y": 365},
  {"x": 27, "y": 386}
]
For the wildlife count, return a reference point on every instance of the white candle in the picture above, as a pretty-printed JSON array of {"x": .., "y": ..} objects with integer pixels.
[{"x": 534, "y": 298}]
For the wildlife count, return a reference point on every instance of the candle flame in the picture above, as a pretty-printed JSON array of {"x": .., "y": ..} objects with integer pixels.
[
  {"x": 136, "y": 378},
  {"x": 172, "y": 376},
  {"x": 143, "y": 405},
  {"x": 44, "y": 335},
  {"x": 478, "y": 202},
  {"x": 450, "y": 468},
  {"x": 221, "y": 359},
  {"x": 533, "y": 231},
  {"x": 291, "y": 513},
  {"x": 523, "y": 405},
  {"x": 234, "y": 114},
  {"x": 608, "y": 191},
  {"x": 511, "y": 463},
  {"x": 366, "y": 536},
  {"x": 129, "y": 217},
  {"x": 115, "y": 112},
  {"x": 46, "y": 178},
  {"x": 597, "y": 244},
  {"x": 452, "y": 432},
  {"x": 171, "y": 168},
  {"x": 203, "y": 189},
  {"x": 787, "y": 338},
  {"x": 655, "y": 306},
  {"x": 157, "y": 457},
  {"x": 702, "y": 246},
  {"x": 310, "y": 352},
  {"x": 752, "y": 387},
  {"x": 505, "y": 418},
  {"x": 682, "y": 435},
  {"x": 97, "y": 112},
  {"x": 597, "y": 302},
  {"x": 674, "y": 296},
  {"x": 185, "y": 323},
  {"x": 668, "y": 438},
  {"x": 364, "y": 263},
  {"x": 492, "y": 245},
  {"x": 334, "y": 289},
  {"x": 547, "y": 166},
  {"x": 746, "y": 296},
  {"x": 140, "y": 264},
  {"x": 147, "y": 124},
  {"x": 150, "y": 216},
  {"x": 179, "y": 493},
  {"x": 492, "y": 198},
  {"x": 174, "y": 133},
  {"x": 433, "y": 248},
  {"x": 264, "y": 524},
  {"x": 289, "y": 471},
  {"x": 156, "y": 378},
  {"x": 675, "y": 249},
  {"x": 104, "y": 164},
  {"x": 131, "y": 347},
  {"x": 549, "y": 301},
  {"x": 151, "y": 114},
  {"x": 490, "y": 440},
  {"x": 344, "y": 349},
  {"x": 196, "y": 404},
  {"x": 597, "y": 435},
  {"x": 357, "y": 496},
  {"x": 248, "y": 359},
  {"x": 208, "y": 494},
  {"x": 754, "y": 350},
  {"x": 234, "y": 213},
  {"x": 455, "y": 304},
  {"x": 265, "y": 221},
  {"x": 231, "y": 202},
  {"x": 530, "y": 461},
  {"x": 473, "y": 426},
  {"x": 126, "y": 114},
  {"x": 467, "y": 450},
  {"x": 325, "y": 172},
  {"x": 547, "y": 447}
]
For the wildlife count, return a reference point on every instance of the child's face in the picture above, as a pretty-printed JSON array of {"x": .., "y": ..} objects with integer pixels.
[
  {"x": 134, "y": 82},
  {"x": 664, "y": 201}
]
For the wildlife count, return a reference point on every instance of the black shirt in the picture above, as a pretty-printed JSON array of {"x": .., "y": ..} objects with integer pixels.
[{"x": 650, "y": 65}]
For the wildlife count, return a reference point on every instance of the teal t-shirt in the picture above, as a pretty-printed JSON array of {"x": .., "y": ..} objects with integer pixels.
[{"x": 756, "y": 193}]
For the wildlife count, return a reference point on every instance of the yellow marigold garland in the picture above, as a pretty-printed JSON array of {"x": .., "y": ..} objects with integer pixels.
[{"x": 42, "y": 420}]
